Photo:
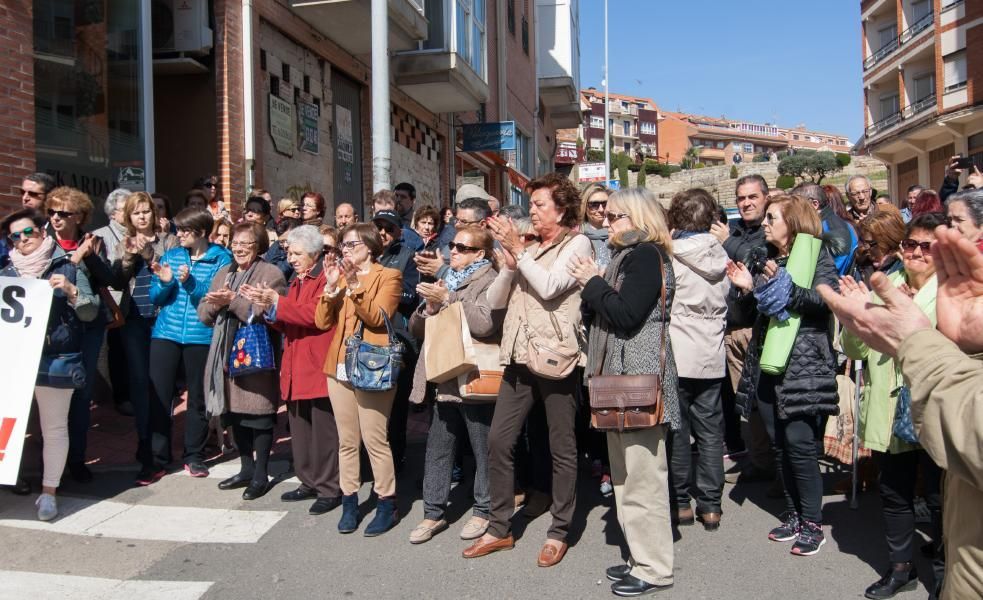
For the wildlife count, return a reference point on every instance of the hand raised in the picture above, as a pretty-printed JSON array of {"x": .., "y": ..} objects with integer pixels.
[
  {"x": 163, "y": 271},
  {"x": 959, "y": 267},
  {"x": 740, "y": 276}
]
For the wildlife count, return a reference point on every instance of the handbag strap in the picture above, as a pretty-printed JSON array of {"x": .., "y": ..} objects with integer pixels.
[{"x": 390, "y": 330}]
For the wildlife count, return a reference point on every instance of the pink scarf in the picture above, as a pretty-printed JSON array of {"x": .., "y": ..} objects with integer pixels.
[{"x": 34, "y": 264}]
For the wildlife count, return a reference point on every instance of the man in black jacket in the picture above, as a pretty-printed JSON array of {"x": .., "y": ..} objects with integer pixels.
[
  {"x": 745, "y": 242},
  {"x": 396, "y": 255},
  {"x": 839, "y": 237}
]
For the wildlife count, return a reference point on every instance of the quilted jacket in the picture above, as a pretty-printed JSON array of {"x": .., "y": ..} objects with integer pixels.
[
  {"x": 808, "y": 385},
  {"x": 178, "y": 318}
]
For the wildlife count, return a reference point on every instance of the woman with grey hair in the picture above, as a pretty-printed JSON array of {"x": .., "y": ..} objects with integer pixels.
[
  {"x": 965, "y": 212},
  {"x": 303, "y": 386}
]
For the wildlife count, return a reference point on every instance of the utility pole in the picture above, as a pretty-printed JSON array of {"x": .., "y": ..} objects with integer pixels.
[
  {"x": 607, "y": 102},
  {"x": 381, "y": 150}
]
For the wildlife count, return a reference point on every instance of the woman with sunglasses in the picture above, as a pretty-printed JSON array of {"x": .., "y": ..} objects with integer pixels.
[
  {"x": 471, "y": 273},
  {"x": 880, "y": 243},
  {"x": 35, "y": 255},
  {"x": 246, "y": 403},
  {"x": 794, "y": 403},
  {"x": 898, "y": 460},
  {"x": 180, "y": 281},
  {"x": 144, "y": 243},
  {"x": 357, "y": 291},
  {"x": 213, "y": 197},
  {"x": 594, "y": 201}
]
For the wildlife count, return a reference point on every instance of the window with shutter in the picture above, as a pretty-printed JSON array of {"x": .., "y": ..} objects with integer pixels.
[
  {"x": 954, "y": 70},
  {"x": 924, "y": 87}
]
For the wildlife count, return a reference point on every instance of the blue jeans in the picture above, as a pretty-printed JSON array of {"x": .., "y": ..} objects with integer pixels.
[
  {"x": 136, "y": 343},
  {"x": 79, "y": 417}
]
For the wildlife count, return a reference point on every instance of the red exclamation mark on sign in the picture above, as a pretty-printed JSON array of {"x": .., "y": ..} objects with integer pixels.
[{"x": 6, "y": 428}]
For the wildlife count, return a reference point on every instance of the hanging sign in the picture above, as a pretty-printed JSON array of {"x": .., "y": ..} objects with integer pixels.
[{"x": 282, "y": 125}]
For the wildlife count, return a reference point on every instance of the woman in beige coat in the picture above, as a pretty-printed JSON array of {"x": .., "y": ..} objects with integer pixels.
[{"x": 246, "y": 403}]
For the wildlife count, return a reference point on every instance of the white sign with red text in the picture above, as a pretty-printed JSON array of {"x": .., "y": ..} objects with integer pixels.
[{"x": 24, "y": 307}]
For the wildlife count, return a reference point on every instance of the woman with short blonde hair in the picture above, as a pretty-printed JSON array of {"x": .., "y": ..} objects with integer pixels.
[{"x": 593, "y": 203}]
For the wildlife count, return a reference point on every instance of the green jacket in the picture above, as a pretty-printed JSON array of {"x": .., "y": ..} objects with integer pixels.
[{"x": 882, "y": 377}]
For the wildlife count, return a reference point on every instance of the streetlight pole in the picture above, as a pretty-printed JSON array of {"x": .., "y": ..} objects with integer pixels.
[{"x": 607, "y": 102}]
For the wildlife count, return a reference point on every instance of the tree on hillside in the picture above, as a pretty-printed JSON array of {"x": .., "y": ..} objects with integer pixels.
[
  {"x": 691, "y": 157},
  {"x": 814, "y": 165},
  {"x": 623, "y": 175},
  {"x": 640, "y": 181}
]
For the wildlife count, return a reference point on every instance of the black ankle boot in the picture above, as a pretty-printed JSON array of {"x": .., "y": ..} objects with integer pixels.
[{"x": 898, "y": 578}]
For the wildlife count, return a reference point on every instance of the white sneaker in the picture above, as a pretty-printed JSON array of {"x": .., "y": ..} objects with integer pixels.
[{"x": 47, "y": 507}]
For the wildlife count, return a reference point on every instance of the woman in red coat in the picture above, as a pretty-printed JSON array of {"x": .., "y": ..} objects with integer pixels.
[{"x": 302, "y": 383}]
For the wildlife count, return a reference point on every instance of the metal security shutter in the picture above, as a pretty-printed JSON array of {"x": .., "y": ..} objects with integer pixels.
[{"x": 347, "y": 140}]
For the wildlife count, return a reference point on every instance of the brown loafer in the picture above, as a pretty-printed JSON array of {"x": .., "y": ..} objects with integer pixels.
[
  {"x": 685, "y": 516},
  {"x": 480, "y": 548},
  {"x": 550, "y": 554},
  {"x": 710, "y": 520}
]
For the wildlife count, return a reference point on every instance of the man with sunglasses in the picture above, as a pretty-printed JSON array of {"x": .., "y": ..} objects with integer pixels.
[
  {"x": 472, "y": 209},
  {"x": 397, "y": 255},
  {"x": 34, "y": 190}
]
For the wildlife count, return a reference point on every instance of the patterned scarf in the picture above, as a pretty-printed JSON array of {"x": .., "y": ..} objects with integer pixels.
[{"x": 454, "y": 279}]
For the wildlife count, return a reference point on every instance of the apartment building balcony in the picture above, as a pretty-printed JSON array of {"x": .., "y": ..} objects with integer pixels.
[
  {"x": 889, "y": 43},
  {"x": 558, "y": 59},
  {"x": 447, "y": 72},
  {"x": 924, "y": 105},
  {"x": 883, "y": 124},
  {"x": 349, "y": 23},
  {"x": 923, "y": 24}
]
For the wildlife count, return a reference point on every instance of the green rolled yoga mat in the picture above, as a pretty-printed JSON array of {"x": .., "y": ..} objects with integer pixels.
[{"x": 781, "y": 336}]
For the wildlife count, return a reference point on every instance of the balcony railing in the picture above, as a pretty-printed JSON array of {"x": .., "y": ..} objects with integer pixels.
[
  {"x": 920, "y": 106},
  {"x": 885, "y": 51},
  {"x": 919, "y": 26},
  {"x": 888, "y": 121},
  {"x": 950, "y": 4}
]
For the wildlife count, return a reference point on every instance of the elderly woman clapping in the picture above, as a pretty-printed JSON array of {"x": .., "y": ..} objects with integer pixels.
[
  {"x": 470, "y": 274},
  {"x": 303, "y": 386},
  {"x": 247, "y": 402}
]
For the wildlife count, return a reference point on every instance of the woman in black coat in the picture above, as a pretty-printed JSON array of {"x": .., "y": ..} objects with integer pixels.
[{"x": 793, "y": 404}]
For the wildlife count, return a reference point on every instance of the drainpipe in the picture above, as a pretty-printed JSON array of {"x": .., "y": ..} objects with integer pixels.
[
  {"x": 147, "y": 93},
  {"x": 381, "y": 151},
  {"x": 501, "y": 87},
  {"x": 248, "y": 95},
  {"x": 535, "y": 112}
]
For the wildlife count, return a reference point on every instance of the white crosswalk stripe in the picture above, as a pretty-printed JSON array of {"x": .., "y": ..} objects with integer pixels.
[
  {"x": 44, "y": 586},
  {"x": 107, "y": 518}
]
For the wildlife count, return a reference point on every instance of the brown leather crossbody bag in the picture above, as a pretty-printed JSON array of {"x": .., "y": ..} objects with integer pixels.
[{"x": 630, "y": 402}]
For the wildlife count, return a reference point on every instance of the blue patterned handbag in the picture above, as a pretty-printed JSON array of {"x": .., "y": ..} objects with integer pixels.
[
  {"x": 252, "y": 351},
  {"x": 62, "y": 371},
  {"x": 904, "y": 428},
  {"x": 371, "y": 368}
]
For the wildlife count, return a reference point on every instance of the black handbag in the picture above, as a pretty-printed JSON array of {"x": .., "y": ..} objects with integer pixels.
[
  {"x": 372, "y": 368},
  {"x": 62, "y": 371}
]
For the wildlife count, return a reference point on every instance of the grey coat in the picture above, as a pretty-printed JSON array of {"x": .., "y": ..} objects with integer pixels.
[{"x": 254, "y": 394}]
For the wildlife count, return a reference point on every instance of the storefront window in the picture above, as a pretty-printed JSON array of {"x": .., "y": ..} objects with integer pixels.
[{"x": 89, "y": 94}]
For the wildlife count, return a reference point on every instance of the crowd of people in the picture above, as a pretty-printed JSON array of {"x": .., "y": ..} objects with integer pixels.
[{"x": 730, "y": 324}]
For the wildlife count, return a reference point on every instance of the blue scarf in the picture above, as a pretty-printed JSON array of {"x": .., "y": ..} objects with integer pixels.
[
  {"x": 774, "y": 295},
  {"x": 454, "y": 279}
]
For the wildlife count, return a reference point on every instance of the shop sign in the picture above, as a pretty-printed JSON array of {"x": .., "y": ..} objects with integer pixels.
[
  {"x": 498, "y": 136},
  {"x": 590, "y": 172},
  {"x": 566, "y": 153},
  {"x": 282, "y": 125},
  {"x": 307, "y": 118},
  {"x": 131, "y": 177}
]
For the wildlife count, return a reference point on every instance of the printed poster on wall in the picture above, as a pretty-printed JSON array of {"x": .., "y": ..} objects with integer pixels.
[
  {"x": 24, "y": 306},
  {"x": 346, "y": 141},
  {"x": 307, "y": 118},
  {"x": 282, "y": 127}
]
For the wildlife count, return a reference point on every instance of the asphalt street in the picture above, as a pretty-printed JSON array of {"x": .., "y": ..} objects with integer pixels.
[{"x": 183, "y": 538}]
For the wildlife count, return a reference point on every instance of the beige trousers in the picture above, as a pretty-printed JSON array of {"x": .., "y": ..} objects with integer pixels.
[
  {"x": 363, "y": 417},
  {"x": 752, "y": 429},
  {"x": 640, "y": 474},
  {"x": 53, "y": 404}
]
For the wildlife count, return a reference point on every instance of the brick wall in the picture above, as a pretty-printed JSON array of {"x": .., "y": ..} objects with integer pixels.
[
  {"x": 974, "y": 63},
  {"x": 415, "y": 153},
  {"x": 307, "y": 72},
  {"x": 17, "y": 108},
  {"x": 673, "y": 139},
  {"x": 228, "y": 98}
]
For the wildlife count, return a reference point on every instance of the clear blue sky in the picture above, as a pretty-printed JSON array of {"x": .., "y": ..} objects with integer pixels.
[{"x": 780, "y": 61}]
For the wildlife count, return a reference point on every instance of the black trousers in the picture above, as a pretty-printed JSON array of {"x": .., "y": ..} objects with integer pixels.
[
  {"x": 166, "y": 357},
  {"x": 401, "y": 409},
  {"x": 702, "y": 415},
  {"x": 314, "y": 444},
  {"x": 897, "y": 488},
  {"x": 521, "y": 390},
  {"x": 796, "y": 445}
]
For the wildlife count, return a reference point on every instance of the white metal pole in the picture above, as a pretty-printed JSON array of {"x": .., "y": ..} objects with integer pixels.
[
  {"x": 607, "y": 116},
  {"x": 147, "y": 93},
  {"x": 380, "y": 96}
]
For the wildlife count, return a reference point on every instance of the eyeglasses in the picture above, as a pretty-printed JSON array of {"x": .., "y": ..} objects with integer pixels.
[
  {"x": 36, "y": 195},
  {"x": 291, "y": 209},
  {"x": 387, "y": 227},
  {"x": 62, "y": 214},
  {"x": 856, "y": 193},
  {"x": 868, "y": 243},
  {"x": 242, "y": 244},
  {"x": 17, "y": 236},
  {"x": 599, "y": 205},
  {"x": 211, "y": 185},
  {"x": 181, "y": 230},
  {"x": 462, "y": 248},
  {"x": 909, "y": 245},
  {"x": 463, "y": 223},
  {"x": 770, "y": 218},
  {"x": 327, "y": 248},
  {"x": 612, "y": 217},
  {"x": 351, "y": 245},
  {"x": 528, "y": 237}
]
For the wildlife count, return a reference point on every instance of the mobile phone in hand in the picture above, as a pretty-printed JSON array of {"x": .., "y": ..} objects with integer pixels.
[{"x": 963, "y": 162}]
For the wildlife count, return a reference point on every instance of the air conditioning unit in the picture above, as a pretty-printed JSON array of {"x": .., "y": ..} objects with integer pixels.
[{"x": 180, "y": 26}]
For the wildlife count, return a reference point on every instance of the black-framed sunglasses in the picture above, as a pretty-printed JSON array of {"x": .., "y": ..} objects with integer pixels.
[
  {"x": 327, "y": 248},
  {"x": 909, "y": 245},
  {"x": 62, "y": 214},
  {"x": 598, "y": 205},
  {"x": 612, "y": 217},
  {"x": 17, "y": 236},
  {"x": 462, "y": 248},
  {"x": 21, "y": 191},
  {"x": 529, "y": 237},
  {"x": 211, "y": 185}
]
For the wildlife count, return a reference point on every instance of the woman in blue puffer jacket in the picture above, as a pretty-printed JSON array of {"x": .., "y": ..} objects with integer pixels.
[{"x": 181, "y": 279}]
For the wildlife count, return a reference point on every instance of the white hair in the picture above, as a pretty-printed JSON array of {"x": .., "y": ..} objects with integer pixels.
[
  {"x": 307, "y": 238},
  {"x": 115, "y": 200},
  {"x": 856, "y": 177}
]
